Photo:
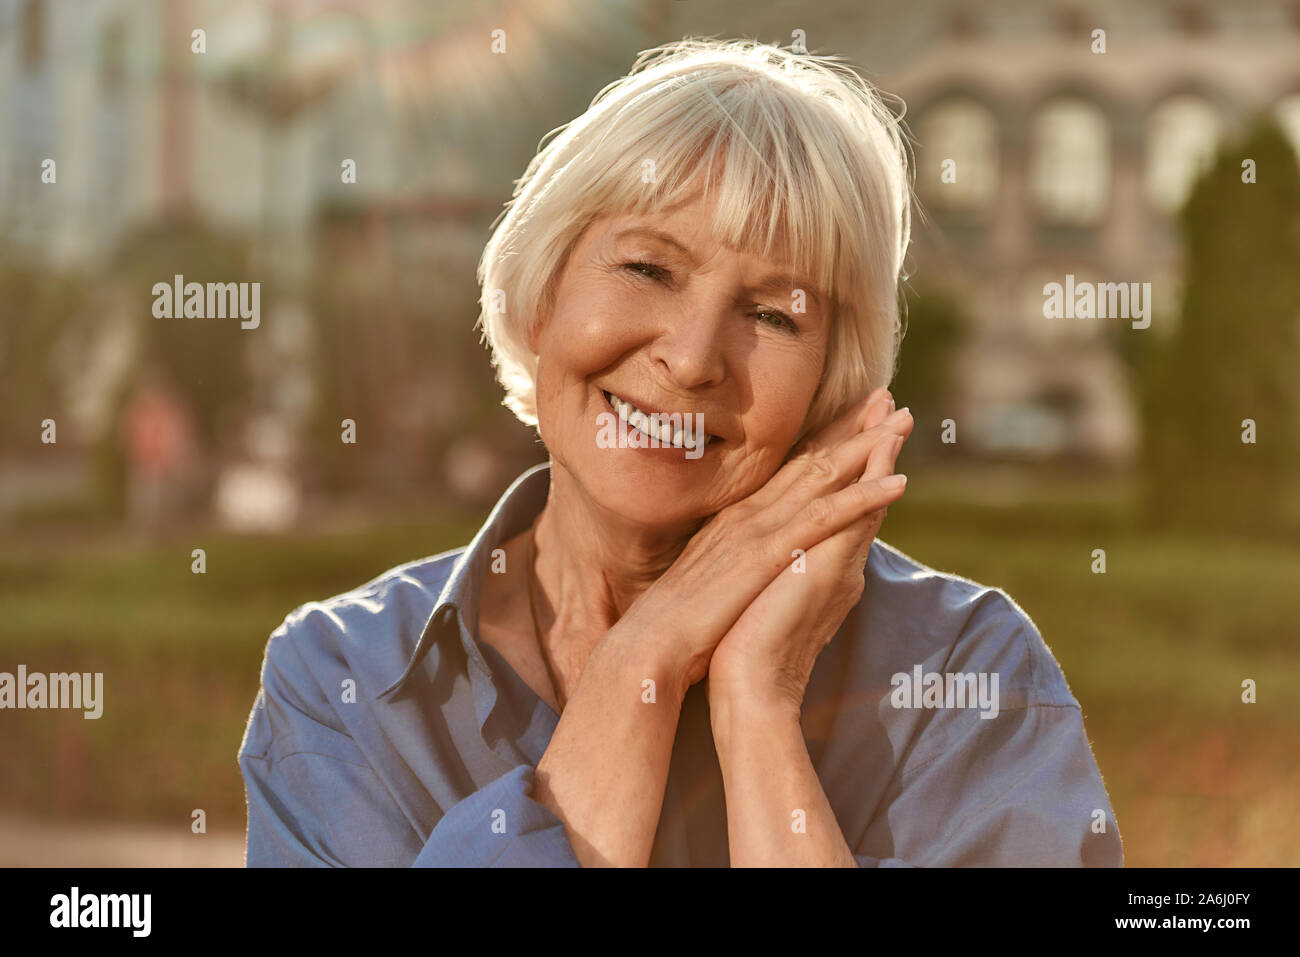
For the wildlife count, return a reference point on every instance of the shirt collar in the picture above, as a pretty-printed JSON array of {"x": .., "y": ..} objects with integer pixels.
[{"x": 457, "y": 606}]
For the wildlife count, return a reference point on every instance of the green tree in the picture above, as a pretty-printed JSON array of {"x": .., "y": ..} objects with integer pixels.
[
  {"x": 205, "y": 360},
  {"x": 935, "y": 325},
  {"x": 41, "y": 305},
  {"x": 1235, "y": 354}
]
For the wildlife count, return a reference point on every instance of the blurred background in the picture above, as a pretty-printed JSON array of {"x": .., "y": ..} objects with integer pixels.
[{"x": 351, "y": 158}]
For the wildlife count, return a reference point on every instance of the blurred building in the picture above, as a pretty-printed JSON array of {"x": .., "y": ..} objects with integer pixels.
[{"x": 1076, "y": 162}]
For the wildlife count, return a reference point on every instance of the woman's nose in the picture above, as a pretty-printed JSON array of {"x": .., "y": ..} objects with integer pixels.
[{"x": 690, "y": 347}]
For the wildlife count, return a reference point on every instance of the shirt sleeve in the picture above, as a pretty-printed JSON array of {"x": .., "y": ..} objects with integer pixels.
[
  {"x": 1018, "y": 791},
  {"x": 307, "y": 808},
  {"x": 1021, "y": 790},
  {"x": 499, "y": 825},
  {"x": 314, "y": 800}
]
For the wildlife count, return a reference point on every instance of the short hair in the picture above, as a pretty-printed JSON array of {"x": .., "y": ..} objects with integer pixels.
[{"x": 805, "y": 155}]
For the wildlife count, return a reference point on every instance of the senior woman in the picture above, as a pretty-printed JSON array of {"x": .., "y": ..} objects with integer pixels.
[{"x": 678, "y": 642}]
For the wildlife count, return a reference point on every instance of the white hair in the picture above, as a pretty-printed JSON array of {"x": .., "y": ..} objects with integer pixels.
[{"x": 801, "y": 153}]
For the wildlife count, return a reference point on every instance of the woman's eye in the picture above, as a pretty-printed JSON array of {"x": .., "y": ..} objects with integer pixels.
[
  {"x": 769, "y": 317},
  {"x": 646, "y": 269},
  {"x": 778, "y": 319}
]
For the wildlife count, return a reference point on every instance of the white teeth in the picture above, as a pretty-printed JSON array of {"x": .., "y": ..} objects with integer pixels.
[{"x": 664, "y": 432}]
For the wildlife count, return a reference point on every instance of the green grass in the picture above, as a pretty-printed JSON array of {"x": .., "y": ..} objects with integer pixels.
[
  {"x": 1155, "y": 650},
  {"x": 180, "y": 653}
]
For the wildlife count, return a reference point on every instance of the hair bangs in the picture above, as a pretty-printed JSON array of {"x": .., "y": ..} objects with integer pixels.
[{"x": 709, "y": 135}]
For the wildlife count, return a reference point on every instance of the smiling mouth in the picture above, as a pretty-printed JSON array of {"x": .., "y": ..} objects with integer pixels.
[{"x": 658, "y": 425}]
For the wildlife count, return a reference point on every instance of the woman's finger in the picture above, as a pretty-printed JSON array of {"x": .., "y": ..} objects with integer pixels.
[
  {"x": 850, "y": 547},
  {"x": 851, "y": 422},
  {"x": 884, "y": 456},
  {"x": 828, "y": 469},
  {"x": 857, "y": 418},
  {"x": 825, "y": 516}
]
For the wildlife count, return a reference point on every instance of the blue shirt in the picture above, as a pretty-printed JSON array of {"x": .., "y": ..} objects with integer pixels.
[{"x": 385, "y": 733}]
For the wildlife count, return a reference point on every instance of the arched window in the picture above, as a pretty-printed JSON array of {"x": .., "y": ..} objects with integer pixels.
[
  {"x": 961, "y": 130},
  {"x": 1182, "y": 135},
  {"x": 1070, "y": 162}
]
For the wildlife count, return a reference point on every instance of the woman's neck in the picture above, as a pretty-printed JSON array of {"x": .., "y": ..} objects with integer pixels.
[{"x": 592, "y": 564}]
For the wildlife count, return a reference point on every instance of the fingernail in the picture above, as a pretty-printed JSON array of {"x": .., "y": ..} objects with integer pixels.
[
  {"x": 898, "y": 443},
  {"x": 893, "y": 483}
]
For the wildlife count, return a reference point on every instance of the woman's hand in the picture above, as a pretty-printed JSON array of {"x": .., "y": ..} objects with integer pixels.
[
  {"x": 604, "y": 771},
  {"x": 814, "y": 497},
  {"x": 766, "y": 658}
]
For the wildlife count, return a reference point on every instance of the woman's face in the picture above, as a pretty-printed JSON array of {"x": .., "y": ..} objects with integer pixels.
[{"x": 700, "y": 329}]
